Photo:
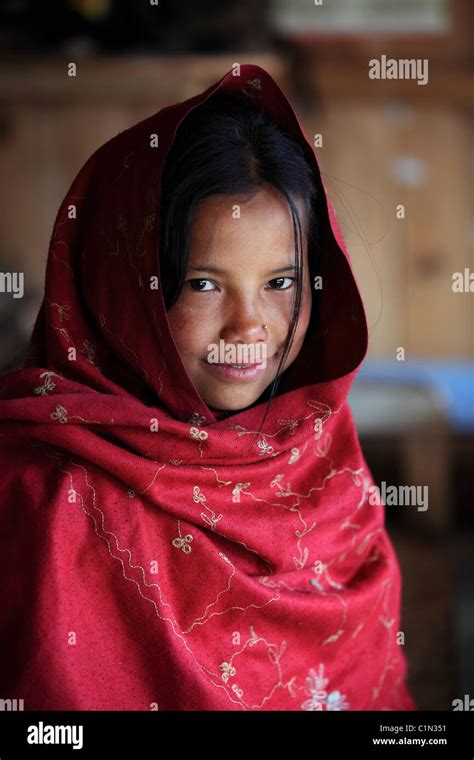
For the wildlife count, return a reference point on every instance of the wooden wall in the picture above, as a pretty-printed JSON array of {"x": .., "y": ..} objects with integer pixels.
[{"x": 384, "y": 144}]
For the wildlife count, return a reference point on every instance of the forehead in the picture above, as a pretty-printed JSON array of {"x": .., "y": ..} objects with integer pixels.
[{"x": 259, "y": 224}]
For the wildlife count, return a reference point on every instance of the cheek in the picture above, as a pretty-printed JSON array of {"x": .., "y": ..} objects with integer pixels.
[
  {"x": 180, "y": 326},
  {"x": 190, "y": 333}
]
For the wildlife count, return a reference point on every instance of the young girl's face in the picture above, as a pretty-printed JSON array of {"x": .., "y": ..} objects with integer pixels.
[{"x": 240, "y": 277}]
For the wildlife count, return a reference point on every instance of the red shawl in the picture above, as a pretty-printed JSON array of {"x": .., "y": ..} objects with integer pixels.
[{"x": 154, "y": 556}]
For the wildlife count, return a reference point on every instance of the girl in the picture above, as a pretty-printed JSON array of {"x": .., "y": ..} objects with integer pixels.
[{"x": 185, "y": 526}]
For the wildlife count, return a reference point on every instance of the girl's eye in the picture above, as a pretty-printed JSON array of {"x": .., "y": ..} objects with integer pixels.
[
  {"x": 195, "y": 284},
  {"x": 203, "y": 285},
  {"x": 280, "y": 283}
]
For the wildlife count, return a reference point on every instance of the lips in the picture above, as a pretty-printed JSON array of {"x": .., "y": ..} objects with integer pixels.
[
  {"x": 235, "y": 372},
  {"x": 238, "y": 366},
  {"x": 228, "y": 364}
]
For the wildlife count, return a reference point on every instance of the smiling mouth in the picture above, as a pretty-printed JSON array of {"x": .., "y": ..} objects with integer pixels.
[
  {"x": 237, "y": 366},
  {"x": 227, "y": 365},
  {"x": 236, "y": 372}
]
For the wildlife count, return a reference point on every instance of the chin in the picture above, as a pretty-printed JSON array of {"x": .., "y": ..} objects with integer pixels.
[{"x": 231, "y": 406}]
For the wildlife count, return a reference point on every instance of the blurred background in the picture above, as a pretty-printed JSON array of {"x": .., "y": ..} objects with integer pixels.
[{"x": 386, "y": 143}]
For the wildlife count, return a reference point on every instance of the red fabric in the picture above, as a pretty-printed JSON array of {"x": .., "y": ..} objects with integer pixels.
[{"x": 201, "y": 565}]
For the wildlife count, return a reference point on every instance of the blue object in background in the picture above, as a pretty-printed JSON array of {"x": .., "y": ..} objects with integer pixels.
[{"x": 452, "y": 380}]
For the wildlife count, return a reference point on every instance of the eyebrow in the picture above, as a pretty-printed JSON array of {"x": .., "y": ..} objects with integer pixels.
[{"x": 216, "y": 270}]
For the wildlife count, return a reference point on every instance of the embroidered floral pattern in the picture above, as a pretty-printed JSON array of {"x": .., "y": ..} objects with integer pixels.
[
  {"x": 227, "y": 671},
  {"x": 318, "y": 428},
  {"x": 237, "y": 489},
  {"x": 211, "y": 519},
  {"x": 320, "y": 699},
  {"x": 196, "y": 419},
  {"x": 253, "y": 88},
  {"x": 64, "y": 311},
  {"x": 265, "y": 447},
  {"x": 183, "y": 543},
  {"x": 60, "y": 414},
  {"x": 48, "y": 385},
  {"x": 198, "y": 496},
  {"x": 289, "y": 425},
  {"x": 295, "y": 455},
  {"x": 198, "y": 435}
]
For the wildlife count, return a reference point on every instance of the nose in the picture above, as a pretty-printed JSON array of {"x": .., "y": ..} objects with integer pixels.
[{"x": 244, "y": 326}]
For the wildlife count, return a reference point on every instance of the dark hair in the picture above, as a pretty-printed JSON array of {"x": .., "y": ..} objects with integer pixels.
[{"x": 229, "y": 145}]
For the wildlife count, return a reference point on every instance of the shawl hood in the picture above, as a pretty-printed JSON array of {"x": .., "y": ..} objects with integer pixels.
[{"x": 103, "y": 253}]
